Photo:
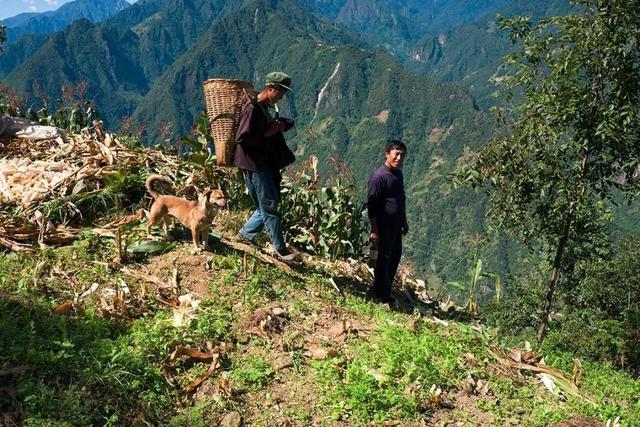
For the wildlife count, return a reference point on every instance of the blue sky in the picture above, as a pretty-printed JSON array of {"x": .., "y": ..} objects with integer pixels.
[{"x": 10, "y": 8}]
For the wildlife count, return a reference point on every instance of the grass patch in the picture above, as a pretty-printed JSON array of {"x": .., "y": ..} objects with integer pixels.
[
  {"x": 250, "y": 373},
  {"x": 389, "y": 376}
]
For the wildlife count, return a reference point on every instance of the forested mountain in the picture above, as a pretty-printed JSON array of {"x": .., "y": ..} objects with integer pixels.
[
  {"x": 396, "y": 25},
  {"x": 120, "y": 59},
  {"x": 56, "y": 20},
  {"x": 472, "y": 52},
  {"x": 19, "y": 52}
]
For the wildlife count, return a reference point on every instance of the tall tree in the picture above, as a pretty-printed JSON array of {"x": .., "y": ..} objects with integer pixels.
[{"x": 575, "y": 133}]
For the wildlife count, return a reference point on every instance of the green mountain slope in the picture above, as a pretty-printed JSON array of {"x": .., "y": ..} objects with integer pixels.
[
  {"x": 396, "y": 25},
  {"x": 85, "y": 52},
  {"x": 120, "y": 63},
  {"x": 18, "y": 52},
  {"x": 472, "y": 53},
  {"x": 49, "y": 22}
]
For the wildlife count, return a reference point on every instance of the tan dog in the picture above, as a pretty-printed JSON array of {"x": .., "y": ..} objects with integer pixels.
[{"x": 195, "y": 215}]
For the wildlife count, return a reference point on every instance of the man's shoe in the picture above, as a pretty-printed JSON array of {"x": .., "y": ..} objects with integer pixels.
[
  {"x": 384, "y": 299},
  {"x": 288, "y": 257},
  {"x": 246, "y": 241}
]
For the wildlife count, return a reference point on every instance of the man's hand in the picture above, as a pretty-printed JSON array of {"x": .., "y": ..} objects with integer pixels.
[
  {"x": 404, "y": 229},
  {"x": 373, "y": 236},
  {"x": 274, "y": 127}
]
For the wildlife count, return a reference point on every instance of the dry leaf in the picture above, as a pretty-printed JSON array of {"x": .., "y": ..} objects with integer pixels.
[
  {"x": 63, "y": 308},
  {"x": 377, "y": 375}
]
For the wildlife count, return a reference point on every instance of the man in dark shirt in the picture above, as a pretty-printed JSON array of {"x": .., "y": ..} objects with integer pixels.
[
  {"x": 387, "y": 214},
  {"x": 261, "y": 153}
]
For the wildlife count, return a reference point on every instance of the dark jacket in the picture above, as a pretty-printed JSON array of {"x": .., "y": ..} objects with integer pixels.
[
  {"x": 254, "y": 151},
  {"x": 386, "y": 198}
]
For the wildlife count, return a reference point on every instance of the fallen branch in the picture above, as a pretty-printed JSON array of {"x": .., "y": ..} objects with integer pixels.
[
  {"x": 145, "y": 277},
  {"x": 251, "y": 250}
]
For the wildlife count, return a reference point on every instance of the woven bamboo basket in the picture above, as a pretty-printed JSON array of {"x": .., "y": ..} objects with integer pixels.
[{"x": 224, "y": 99}]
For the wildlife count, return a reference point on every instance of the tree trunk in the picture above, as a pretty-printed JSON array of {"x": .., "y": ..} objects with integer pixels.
[
  {"x": 562, "y": 243},
  {"x": 555, "y": 273}
]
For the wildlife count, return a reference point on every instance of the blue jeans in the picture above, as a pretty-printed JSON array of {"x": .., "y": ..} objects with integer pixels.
[{"x": 264, "y": 194}]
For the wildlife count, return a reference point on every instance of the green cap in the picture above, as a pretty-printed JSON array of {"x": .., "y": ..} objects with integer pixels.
[{"x": 278, "y": 78}]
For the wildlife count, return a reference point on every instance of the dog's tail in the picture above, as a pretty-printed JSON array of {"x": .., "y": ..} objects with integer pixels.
[{"x": 151, "y": 179}]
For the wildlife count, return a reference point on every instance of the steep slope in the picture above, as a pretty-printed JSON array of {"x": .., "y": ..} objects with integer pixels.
[
  {"x": 347, "y": 102},
  {"x": 18, "y": 52},
  {"x": 120, "y": 63},
  {"x": 164, "y": 30},
  {"x": 49, "y": 22},
  {"x": 472, "y": 53},
  {"x": 90, "y": 53},
  {"x": 396, "y": 25}
]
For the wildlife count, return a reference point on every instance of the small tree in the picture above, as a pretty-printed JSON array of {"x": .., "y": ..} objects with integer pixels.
[
  {"x": 3, "y": 36},
  {"x": 575, "y": 137}
]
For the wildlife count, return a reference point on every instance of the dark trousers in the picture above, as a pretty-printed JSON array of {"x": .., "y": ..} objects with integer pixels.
[{"x": 389, "y": 252}]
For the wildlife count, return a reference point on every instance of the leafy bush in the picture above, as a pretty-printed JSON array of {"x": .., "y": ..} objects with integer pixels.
[
  {"x": 598, "y": 312},
  {"x": 326, "y": 220},
  {"x": 390, "y": 375}
]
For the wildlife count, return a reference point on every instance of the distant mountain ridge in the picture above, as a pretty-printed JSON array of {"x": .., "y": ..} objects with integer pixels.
[
  {"x": 56, "y": 20},
  {"x": 396, "y": 25}
]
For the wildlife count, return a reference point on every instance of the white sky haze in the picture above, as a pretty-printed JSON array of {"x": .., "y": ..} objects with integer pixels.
[{"x": 9, "y": 8}]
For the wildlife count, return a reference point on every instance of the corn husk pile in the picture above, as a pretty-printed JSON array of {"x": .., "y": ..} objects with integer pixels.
[{"x": 33, "y": 173}]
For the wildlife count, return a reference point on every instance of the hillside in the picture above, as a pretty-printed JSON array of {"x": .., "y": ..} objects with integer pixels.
[
  {"x": 92, "y": 336},
  {"x": 50, "y": 22},
  {"x": 395, "y": 25},
  {"x": 119, "y": 59},
  {"x": 472, "y": 53}
]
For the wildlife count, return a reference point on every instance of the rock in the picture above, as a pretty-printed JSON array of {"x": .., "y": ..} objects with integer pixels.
[{"x": 232, "y": 419}]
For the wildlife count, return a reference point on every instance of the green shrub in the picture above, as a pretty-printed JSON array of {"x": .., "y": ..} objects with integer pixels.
[{"x": 326, "y": 220}]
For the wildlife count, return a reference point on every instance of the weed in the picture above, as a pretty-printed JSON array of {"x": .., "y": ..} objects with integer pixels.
[
  {"x": 213, "y": 321},
  {"x": 389, "y": 376},
  {"x": 251, "y": 373}
]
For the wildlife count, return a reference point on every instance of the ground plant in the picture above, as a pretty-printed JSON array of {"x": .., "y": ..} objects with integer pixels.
[{"x": 323, "y": 219}]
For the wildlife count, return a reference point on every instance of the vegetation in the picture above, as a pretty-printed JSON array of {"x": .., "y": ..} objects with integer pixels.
[
  {"x": 327, "y": 220},
  {"x": 575, "y": 136},
  {"x": 71, "y": 112},
  {"x": 100, "y": 363},
  {"x": 3, "y": 36}
]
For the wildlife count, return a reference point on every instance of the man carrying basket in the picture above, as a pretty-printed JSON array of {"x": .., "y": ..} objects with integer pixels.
[{"x": 261, "y": 152}]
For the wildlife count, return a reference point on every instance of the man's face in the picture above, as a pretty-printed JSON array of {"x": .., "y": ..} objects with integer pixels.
[
  {"x": 395, "y": 158},
  {"x": 275, "y": 93}
]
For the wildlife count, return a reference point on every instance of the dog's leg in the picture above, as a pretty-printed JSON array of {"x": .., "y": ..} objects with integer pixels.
[
  {"x": 165, "y": 226},
  {"x": 152, "y": 221},
  {"x": 195, "y": 235},
  {"x": 204, "y": 237}
]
